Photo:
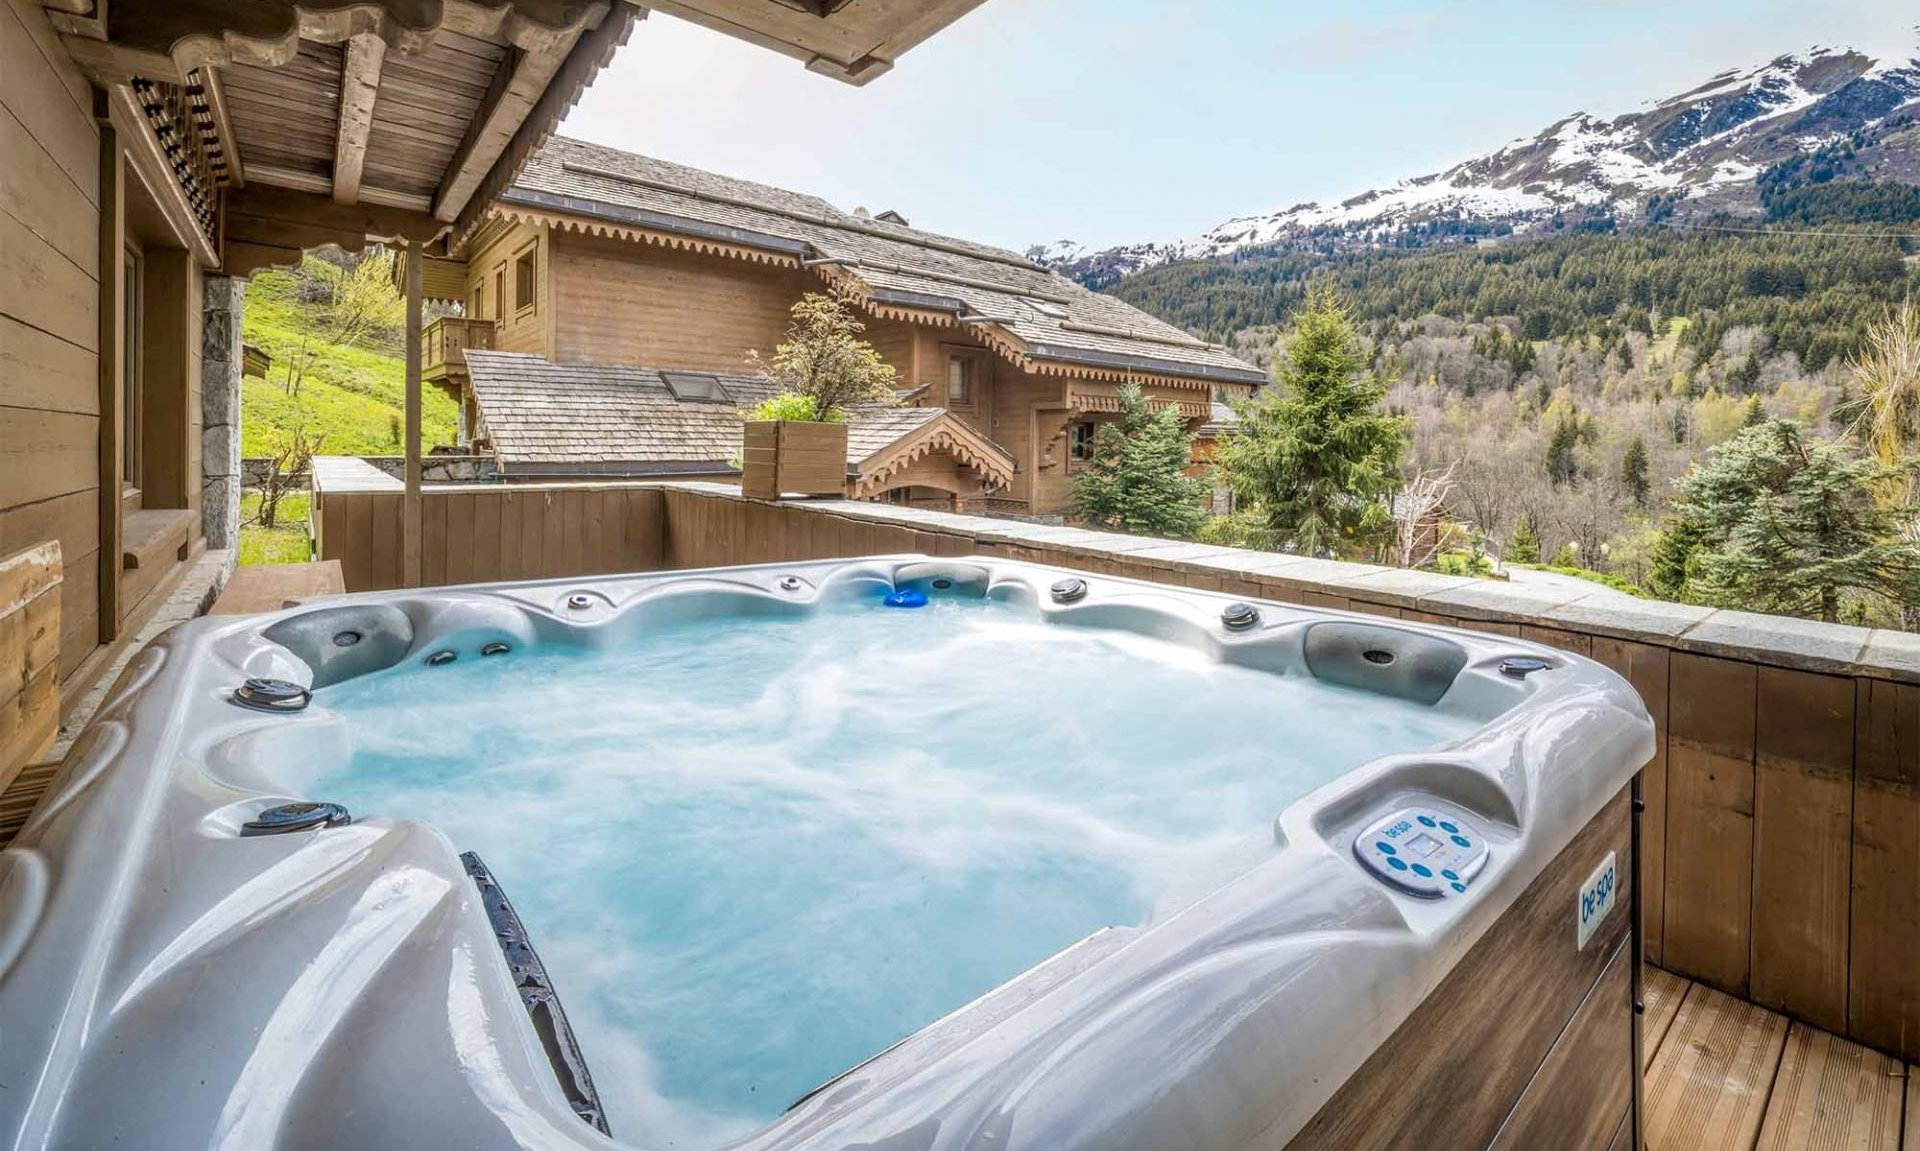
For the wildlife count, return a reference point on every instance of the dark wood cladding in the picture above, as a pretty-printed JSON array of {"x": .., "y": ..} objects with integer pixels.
[{"x": 1465, "y": 1058}]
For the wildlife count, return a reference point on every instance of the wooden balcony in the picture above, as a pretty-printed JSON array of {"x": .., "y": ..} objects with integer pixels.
[{"x": 443, "y": 350}]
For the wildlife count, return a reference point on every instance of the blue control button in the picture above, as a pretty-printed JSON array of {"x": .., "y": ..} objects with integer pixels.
[
  {"x": 1423, "y": 871},
  {"x": 1461, "y": 841},
  {"x": 1461, "y": 887},
  {"x": 1449, "y": 828},
  {"x": 1426, "y": 821},
  {"x": 1449, "y": 873},
  {"x": 1397, "y": 864},
  {"x": 1386, "y": 848}
]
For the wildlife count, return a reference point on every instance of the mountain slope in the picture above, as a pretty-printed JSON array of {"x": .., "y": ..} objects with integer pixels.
[{"x": 1697, "y": 152}]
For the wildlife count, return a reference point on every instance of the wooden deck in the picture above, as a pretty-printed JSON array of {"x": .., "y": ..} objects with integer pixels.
[{"x": 1725, "y": 1075}]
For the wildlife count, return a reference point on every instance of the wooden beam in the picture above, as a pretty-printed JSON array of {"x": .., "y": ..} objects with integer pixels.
[
  {"x": 268, "y": 225},
  {"x": 410, "y": 510},
  {"x": 359, "y": 88},
  {"x": 517, "y": 86},
  {"x": 112, "y": 353}
]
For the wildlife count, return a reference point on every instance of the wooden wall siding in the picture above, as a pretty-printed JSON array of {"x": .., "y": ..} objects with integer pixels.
[
  {"x": 1710, "y": 784},
  {"x": 1883, "y": 1007},
  {"x": 516, "y": 331},
  {"x": 1645, "y": 666},
  {"x": 29, "y": 655},
  {"x": 1802, "y": 843},
  {"x": 487, "y": 533},
  {"x": 621, "y": 302},
  {"x": 49, "y": 315}
]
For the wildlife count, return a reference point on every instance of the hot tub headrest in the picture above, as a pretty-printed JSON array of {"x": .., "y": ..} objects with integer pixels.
[
  {"x": 339, "y": 643},
  {"x": 1388, "y": 660}
]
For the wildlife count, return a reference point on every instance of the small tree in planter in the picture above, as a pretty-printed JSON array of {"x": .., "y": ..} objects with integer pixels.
[{"x": 797, "y": 441}]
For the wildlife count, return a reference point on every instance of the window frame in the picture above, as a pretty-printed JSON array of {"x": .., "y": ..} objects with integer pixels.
[
  {"x": 1080, "y": 435},
  {"x": 529, "y": 256},
  {"x": 972, "y": 373}
]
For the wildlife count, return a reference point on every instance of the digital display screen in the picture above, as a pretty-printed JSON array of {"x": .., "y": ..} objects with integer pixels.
[{"x": 1423, "y": 845}]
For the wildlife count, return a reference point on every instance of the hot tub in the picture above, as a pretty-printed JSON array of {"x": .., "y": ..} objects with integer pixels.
[{"x": 890, "y": 853}]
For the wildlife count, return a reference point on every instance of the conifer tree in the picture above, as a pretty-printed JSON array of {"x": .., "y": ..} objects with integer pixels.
[
  {"x": 1136, "y": 480},
  {"x": 1633, "y": 473},
  {"x": 1524, "y": 547},
  {"x": 1563, "y": 467},
  {"x": 1774, "y": 523},
  {"x": 1316, "y": 455}
]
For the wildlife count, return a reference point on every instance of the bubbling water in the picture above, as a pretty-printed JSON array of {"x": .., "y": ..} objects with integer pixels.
[{"x": 753, "y": 852}]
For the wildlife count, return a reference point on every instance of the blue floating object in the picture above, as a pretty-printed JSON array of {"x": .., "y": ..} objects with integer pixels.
[{"x": 907, "y": 597}]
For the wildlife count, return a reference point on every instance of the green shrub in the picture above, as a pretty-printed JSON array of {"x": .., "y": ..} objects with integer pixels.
[{"x": 794, "y": 406}]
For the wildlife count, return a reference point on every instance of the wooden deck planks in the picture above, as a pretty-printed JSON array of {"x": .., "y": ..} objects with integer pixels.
[
  {"x": 1713, "y": 1084},
  {"x": 1833, "y": 1095},
  {"x": 1661, "y": 993},
  {"x": 1708, "y": 1086}
]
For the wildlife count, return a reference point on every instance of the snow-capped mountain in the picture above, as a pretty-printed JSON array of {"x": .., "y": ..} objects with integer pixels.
[{"x": 1697, "y": 151}]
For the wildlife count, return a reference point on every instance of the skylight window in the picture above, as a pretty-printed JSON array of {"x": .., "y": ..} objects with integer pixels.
[
  {"x": 696, "y": 388},
  {"x": 1047, "y": 308}
]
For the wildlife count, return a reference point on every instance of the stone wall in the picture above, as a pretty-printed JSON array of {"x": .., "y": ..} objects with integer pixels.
[
  {"x": 433, "y": 469},
  {"x": 220, "y": 370}
]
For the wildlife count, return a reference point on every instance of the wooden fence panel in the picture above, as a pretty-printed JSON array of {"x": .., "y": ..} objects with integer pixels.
[
  {"x": 1645, "y": 666},
  {"x": 1883, "y": 1008},
  {"x": 1802, "y": 844},
  {"x": 1708, "y": 927}
]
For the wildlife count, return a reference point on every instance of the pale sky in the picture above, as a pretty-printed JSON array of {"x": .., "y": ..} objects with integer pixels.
[{"x": 1108, "y": 121}]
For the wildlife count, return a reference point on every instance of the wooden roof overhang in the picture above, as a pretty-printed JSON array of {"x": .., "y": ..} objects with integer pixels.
[
  {"x": 850, "y": 40},
  {"x": 944, "y": 433},
  {"x": 286, "y": 125}
]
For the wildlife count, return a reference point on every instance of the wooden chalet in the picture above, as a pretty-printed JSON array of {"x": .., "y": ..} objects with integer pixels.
[
  {"x": 156, "y": 152},
  {"x": 595, "y": 256}
]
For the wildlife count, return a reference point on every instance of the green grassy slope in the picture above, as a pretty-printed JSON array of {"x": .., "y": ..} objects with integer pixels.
[{"x": 352, "y": 395}]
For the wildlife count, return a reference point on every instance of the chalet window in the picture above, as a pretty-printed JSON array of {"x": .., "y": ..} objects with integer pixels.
[
  {"x": 1080, "y": 441},
  {"x": 500, "y": 292},
  {"x": 478, "y": 310},
  {"x": 965, "y": 371},
  {"x": 523, "y": 281}
]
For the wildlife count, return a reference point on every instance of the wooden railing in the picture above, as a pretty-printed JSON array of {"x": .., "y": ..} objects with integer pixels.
[
  {"x": 444, "y": 343},
  {"x": 1781, "y": 840}
]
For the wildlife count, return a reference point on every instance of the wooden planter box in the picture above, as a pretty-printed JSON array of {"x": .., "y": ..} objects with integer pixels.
[{"x": 787, "y": 457}]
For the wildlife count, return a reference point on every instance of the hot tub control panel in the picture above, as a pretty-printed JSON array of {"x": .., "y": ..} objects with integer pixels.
[{"x": 1423, "y": 851}]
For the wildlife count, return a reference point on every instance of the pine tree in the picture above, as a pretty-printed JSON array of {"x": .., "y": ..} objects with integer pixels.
[
  {"x": 1755, "y": 414},
  {"x": 1563, "y": 467},
  {"x": 1633, "y": 473},
  {"x": 1136, "y": 480},
  {"x": 1524, "y": 547},
  {"x": 1317, "y": 454},
  {"x": 1774, "y": 523}
]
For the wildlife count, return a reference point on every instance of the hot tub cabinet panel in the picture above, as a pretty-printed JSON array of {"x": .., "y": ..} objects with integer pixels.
[
  {"x": 1527, "y": 1043},
  {"x": 168, "y": 978}
]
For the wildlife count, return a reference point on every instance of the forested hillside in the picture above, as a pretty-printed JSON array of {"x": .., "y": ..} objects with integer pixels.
[
  {"x": 1566, "y": 386},
  {"x": 1811, "y": 295}
]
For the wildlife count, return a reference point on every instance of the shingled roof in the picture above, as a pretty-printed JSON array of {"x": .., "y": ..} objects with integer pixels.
[
  {"x": 548, "y": 418},
  {"x": 1023, "y": 309}
]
